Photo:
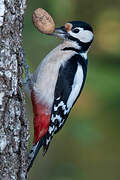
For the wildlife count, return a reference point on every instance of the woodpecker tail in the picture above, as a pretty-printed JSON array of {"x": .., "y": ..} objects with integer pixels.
[{"x": 33, "y": 152}]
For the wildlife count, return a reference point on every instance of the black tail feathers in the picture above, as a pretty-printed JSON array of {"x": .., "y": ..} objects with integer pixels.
[{"x": 33, "y": 153}]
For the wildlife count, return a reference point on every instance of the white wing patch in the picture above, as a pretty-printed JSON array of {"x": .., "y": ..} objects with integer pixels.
[
  {"x": 77, "y": 83},
  {"x": 60, "y": 104},
  {"x": 78, "y": 80},
  {"x": 57, "y": 118}
]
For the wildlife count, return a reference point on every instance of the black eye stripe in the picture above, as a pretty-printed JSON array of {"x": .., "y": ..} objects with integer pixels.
[{"x": 75, "y": 30}]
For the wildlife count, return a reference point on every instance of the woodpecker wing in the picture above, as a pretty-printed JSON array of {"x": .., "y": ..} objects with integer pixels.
[{"x": 69, "y": 84}]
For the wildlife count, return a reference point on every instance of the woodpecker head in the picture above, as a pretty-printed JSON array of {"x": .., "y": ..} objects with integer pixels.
[{"x": 77, "y": 31}]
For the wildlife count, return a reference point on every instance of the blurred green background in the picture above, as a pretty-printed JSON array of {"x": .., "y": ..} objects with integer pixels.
[{"x": 88, "y": 147}]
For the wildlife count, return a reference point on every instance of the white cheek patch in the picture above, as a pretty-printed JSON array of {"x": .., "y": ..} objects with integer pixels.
[{"x": 83, "y": 35}]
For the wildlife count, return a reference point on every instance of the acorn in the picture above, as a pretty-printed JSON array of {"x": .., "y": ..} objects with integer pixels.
[{"x": 43, "y": 21}]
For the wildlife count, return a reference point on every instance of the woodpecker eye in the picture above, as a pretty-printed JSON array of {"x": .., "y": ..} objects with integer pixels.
[{"x": 75, "y": 30}]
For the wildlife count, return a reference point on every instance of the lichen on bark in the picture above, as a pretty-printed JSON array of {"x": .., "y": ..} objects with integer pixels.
[{"x": 13, "y": 121}]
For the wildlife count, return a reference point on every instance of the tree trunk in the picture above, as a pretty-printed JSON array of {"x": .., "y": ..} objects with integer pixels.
[{"x": 13, "y": 122}]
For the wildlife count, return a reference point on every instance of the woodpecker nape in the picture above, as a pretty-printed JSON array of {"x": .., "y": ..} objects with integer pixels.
[{"x": 58, "y": 82}]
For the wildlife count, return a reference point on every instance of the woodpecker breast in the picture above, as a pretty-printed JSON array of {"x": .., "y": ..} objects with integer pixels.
[{"x": 45, "y": 77}]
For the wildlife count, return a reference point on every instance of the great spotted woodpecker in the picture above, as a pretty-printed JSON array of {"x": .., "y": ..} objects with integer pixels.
[{"x": 58, "y": 82}]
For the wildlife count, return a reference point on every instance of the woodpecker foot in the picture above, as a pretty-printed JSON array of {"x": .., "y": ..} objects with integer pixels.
[{"x": 27, "y": 80}]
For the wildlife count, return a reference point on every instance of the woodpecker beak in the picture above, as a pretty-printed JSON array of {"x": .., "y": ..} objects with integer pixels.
[{"x": 60, "y": 33}]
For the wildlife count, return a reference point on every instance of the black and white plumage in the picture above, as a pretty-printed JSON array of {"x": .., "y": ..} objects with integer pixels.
[
  {"x": 59, "y": 80},
  {"x": 69, "y": 85}
]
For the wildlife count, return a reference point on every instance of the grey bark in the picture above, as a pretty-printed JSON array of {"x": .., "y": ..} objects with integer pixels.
[{"x": 13, "y": 121}]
